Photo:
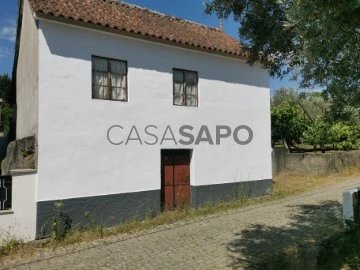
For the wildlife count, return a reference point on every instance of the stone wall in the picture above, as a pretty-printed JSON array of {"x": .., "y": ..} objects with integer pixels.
[
  {"x": 20, "y": 154},
  {"x": 284, "y": 162}
]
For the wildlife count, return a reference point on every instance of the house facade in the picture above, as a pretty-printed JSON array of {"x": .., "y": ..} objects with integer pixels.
[{"x": 132, "y": 112}]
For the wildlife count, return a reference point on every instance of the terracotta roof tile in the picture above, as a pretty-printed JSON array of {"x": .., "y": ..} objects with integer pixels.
[{"x": 123, "y": 17}]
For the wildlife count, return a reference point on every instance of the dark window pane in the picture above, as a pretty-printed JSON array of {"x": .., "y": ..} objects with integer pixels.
[
  {"x": 109, "y": 79},
  {"x": 185, "y": 90}
]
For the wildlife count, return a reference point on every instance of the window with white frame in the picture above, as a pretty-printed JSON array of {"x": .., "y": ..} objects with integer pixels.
[
  {"x": 185, "y": 87},
  {"x": 109, "y": 79}
]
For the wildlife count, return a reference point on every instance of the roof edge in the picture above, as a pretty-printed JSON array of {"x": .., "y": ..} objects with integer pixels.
[
  {"x": 162, "y": 14},
  {"x": 133, "y": 34}
]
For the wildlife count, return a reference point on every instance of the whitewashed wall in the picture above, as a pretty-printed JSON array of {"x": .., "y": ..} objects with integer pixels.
[
  {"x": 20, "y": 222},
  {"x": 75, "y": 158},
  {"x": 27, "y": 77}
]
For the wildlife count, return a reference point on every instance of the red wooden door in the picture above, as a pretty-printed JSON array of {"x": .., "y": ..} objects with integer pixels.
[{"x": 175, "y": 178}]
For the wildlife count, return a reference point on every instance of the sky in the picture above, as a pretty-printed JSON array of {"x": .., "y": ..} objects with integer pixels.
[{"x": 192, "y": 10}]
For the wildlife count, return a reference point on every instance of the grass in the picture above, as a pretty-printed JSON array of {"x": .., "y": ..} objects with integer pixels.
[
  {"x": 287, "y": 184},
  {"x": 10, "y": 246},
  {"x": 284, "y": 186}
]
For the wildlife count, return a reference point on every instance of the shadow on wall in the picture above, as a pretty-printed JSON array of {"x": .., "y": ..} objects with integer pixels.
[
  {"x": 254, "y": 248},
  {"x": 81, "y": 43},
  {"x": 3, "y": 146}
]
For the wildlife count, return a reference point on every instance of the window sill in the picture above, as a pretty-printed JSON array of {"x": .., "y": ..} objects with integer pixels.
[
  {"x": 115, "y": 100},
  {"x": 6, "y": 212},
  {"x": 22, "y": 171},
  {"x": 186, "y": 106}
]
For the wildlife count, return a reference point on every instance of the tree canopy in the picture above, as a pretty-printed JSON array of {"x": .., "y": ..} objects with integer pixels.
[
  {"x": 6, "y": 96},
  {"x": 5, "y": 88},
  {"x": 307, "y": 118},
  {"x": 316, "y": 40}
]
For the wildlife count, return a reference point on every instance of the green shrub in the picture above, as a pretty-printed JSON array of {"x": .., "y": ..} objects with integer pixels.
[
  {"x": 345, "y": 136},
  {"x": 318, "y": 133},
  {"x": 61, "y": 223}
]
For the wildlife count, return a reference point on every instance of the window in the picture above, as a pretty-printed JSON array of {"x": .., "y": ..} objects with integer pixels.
[
  {"x": 109, "y": 79},
  {"x": 185, "y": 88}
]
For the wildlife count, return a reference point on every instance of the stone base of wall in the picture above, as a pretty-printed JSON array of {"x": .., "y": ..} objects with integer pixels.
[
  {"x": 201, "y": 195},
  {"x": 110, "y": 210}
]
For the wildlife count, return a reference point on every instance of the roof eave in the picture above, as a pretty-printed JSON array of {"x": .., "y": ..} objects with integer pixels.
[{"x": 43, "y": 16}]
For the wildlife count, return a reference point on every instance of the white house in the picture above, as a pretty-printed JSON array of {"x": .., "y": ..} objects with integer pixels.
[{"x": 131, "y": 112}]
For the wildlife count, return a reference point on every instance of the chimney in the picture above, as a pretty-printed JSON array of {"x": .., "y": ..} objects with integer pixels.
[{"x": 221, "y": 25}]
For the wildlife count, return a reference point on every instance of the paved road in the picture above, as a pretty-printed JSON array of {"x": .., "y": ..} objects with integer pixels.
[{"x": 237, "y": 239}]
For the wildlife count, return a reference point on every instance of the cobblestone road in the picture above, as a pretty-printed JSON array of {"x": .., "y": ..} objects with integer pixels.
[{"x": 234, "y": 239}]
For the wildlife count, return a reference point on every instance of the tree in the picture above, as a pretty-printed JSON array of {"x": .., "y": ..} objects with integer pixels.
[
  {"x": 318, "y": 133},
  {"x": 288, "y": 123},
  {"x": 314, "y": 104},
  {"x": 5, "y": 88},
  {"x": 6, "y": 108},
  {"x": 316, "y": 39},
  {"x": 284, "y": 94}
]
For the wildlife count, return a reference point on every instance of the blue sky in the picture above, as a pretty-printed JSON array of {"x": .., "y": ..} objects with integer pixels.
[
  {"x": 8, "y": 11},
  {"x": 192, "y": 10}
]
